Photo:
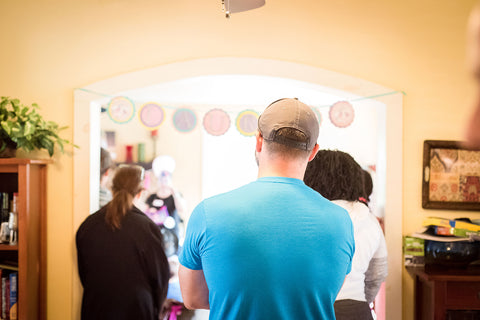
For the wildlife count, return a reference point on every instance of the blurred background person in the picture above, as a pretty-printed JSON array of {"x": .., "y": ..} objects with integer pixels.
[
  {"x": 165, "y": 205},
  {"x": 337, "y": 177},
  {"x": 368, "y": 187},
  {"x": 473, "y": 59},
  {"x": 121, "y": 261},
  {"x": 106, "y": 168}
]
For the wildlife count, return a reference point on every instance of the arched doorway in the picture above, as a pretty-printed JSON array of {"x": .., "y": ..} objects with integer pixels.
[{"x": 87, "y": 124}]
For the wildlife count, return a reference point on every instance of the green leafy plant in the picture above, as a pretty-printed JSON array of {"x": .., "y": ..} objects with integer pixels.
[{"x": 23, "y": 127}]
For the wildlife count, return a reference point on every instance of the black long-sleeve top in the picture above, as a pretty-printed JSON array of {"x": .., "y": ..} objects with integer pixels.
[{"x": 124, "y": 272}]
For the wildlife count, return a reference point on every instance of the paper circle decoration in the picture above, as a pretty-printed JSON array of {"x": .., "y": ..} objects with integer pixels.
[
  {"x": 151, "y": 115},
  {"x": 184, "y": 120},
  {"x": 121, "y": 109},
  {"x": 216, "y": 122},
  {"x": 342, "y": 114},
  {"x": 318, "y": 114},
  {"x": 247, "y": 122}
]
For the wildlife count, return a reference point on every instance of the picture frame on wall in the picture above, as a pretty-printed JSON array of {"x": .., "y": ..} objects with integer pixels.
[{"x": 451, "y": 176}]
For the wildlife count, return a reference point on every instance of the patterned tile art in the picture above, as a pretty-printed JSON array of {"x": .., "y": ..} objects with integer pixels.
[{"x": 454, "y": 175}]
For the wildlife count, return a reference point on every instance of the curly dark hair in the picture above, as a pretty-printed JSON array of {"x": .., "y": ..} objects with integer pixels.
[
  {"x": 367, "y": 184},
  {"x": 336, "y": 176}
]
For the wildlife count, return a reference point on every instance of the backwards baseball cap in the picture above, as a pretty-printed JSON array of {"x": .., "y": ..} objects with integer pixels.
[{"x": 289, "y": 113}]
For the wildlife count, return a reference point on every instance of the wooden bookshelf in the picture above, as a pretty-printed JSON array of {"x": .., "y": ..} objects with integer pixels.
[
  {"x": 28, "y": 178},
  {"x": 446, "y": 293},
  {"x": 6, "y": 247}
]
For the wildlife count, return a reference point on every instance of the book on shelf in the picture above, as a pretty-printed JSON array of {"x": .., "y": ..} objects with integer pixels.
[
  {"x": 5, "y": 295},
  {"x": 8, "y": 295},
  {"x": 13, "y": 277},
  {"x": 5, "y": 208},
  {"x": 442, "y": 222},
  {"x": 8, "y": 204},
  {"x": 457, "y": 232},
  {"x": 428, "y": 233}
]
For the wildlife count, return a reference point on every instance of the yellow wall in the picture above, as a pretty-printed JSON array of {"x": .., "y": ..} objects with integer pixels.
[{"x": 50, "y": 47}]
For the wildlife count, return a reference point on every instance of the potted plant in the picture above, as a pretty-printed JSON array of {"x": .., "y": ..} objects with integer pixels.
[{"x": 22, "y": 127}]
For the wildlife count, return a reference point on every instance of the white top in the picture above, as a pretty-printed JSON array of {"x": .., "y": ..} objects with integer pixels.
[{"x": 369, "y": 264}]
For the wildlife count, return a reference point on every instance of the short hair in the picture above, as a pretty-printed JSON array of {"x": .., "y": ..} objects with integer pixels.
[
  {"x": 336, "y": 176},
  {"x": 284, "y": 150}
]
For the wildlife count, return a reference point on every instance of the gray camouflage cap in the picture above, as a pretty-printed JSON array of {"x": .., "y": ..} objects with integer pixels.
[{"x": 289, "y": 113}]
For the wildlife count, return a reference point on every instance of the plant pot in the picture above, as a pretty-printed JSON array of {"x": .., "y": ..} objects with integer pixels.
[{"x": 10, "y": 150}]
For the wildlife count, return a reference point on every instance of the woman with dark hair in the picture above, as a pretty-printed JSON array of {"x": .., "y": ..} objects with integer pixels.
[
  {"x": 367, "y": 185},
  {"x": 121, "y": 262},
  {"x": 337, "y": 177}
]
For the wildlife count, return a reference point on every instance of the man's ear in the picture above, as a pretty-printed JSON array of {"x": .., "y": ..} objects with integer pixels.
[
  {"x": 259, "y": 142},
  {"x": 314, "y": 152}
]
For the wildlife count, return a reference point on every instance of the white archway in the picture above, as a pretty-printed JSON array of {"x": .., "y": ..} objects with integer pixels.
[{"x": 86, "y": 124}]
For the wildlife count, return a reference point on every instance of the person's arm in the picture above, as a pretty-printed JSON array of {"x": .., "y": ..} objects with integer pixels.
[
  {"x": 180, "y": 203},
  {"x": 377, "y": 269},
  {"x": 192, "y": 279},
  {"x": 194, "y": 288},
  {"x": 375, "y": 275}
]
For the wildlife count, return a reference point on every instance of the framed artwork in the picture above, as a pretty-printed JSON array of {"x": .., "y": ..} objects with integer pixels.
[{"x": 451, "y": 176}]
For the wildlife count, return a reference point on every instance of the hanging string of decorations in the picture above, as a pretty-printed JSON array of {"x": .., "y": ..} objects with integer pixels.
[
  {"x": 121, "y": 109},
  {"x": 184, "y": 120},
  {"x": 247, "y": 122},
  {"x": 151, "y": 115},
  {"x": 341, "y": 114},
  {"x": 216, "y": 121}
]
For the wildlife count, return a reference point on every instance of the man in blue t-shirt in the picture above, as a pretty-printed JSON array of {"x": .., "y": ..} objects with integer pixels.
[{"x": 272, "y": 249}]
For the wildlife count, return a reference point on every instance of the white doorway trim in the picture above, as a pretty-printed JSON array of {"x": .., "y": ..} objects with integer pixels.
[{"x": 87, "y": 135}]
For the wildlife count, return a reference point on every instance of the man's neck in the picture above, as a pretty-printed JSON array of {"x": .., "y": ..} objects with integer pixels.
[{"x": 282, "y": 169}]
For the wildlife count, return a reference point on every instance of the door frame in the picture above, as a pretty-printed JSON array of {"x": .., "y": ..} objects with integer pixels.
[{"x": 87, "y": 124}]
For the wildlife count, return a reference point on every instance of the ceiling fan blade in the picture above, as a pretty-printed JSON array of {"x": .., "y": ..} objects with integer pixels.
[{"x": 234, "y": 6}]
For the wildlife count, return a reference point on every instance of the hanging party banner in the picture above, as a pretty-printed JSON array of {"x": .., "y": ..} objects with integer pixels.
[
  {"x": 184, "y": 120},
  {"x": 151, "y": 115},
  {"x": 247, "y": 122},
  {"x": 121, "y": 109},
  {"x": 318, "y": 114},
  {"x": 216, "y": 122},
  {"x": 342, "y": 114}
]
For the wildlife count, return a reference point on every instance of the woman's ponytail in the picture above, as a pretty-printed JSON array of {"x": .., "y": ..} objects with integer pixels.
[{"x": 126, "y": 184}]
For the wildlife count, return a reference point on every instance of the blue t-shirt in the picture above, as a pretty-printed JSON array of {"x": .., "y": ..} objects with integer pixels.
[{"x": 272, "y": 249}]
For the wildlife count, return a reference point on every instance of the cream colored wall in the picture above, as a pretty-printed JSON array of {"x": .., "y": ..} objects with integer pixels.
[{"x": 50, "y": 47}]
